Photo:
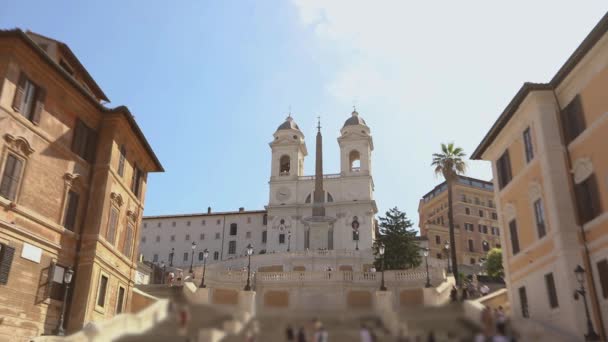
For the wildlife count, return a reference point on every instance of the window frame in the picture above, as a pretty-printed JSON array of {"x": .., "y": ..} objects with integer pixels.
[
  {"x": 122, "y": 305},
  {"x": 102, "y": 307},
  {"x": 528, "y": 146},
  {"x": 504, "y": 170},
  {"x": 523, "y": 302},
  {"x": 592, "y": 195},
  {"x": 232, "y": 247},
  {"x": 551, "y": 291},
  {"x": 68, "y": 210},
  {"x": 539, "y": 218}
]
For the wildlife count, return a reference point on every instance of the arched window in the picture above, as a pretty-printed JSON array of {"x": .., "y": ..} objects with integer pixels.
[
  {"x": 285, "y": 165},
  {"x": 354, "y": 160}
]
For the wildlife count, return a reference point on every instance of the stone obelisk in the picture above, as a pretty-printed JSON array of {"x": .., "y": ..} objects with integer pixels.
[{"x": 320, "y": 226}]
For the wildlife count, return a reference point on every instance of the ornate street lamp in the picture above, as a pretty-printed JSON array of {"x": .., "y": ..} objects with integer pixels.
[
  {"x": 162, "y": 265},
  {"x": 447, "y": 252},
  {"x": 580, "y": 277},
  {"x": 171, "y": 257},
  {"x": 205, "y": 255},
  {"x": 67, "y": 279},
  {"x": 425, "y": 252},
  {"x": 357, "y": 240},
  {"x": 288, "y": 240},
  {"x": 192, "y": 260},
  {"x": 249, "y": 252},
  {"x": 381, "y": 250}
]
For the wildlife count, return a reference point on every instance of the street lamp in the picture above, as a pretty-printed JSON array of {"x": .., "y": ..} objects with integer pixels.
[
  {"x": 580, "y": 277},
  {"x": 249, "y": 252},
  {"x": 381, "y": 250},
  {"x": 288, "y": 240},
  {"x": 357, "y": 240},
  {"x": 171, "y": 257},
  {"x": 205, "y": 255},
  {"x": 67, "y": 279},
  {"x": 425, "y": 252},
  {"x": 192, "y": 260},
  {"x": 162, "y": 265},
  {"x": 447, "y": 252}
]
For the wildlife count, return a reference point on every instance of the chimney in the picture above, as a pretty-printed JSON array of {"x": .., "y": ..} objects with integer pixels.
[
  {"x": 241, "y": 209},
  {"x": 208, "y": 210}
]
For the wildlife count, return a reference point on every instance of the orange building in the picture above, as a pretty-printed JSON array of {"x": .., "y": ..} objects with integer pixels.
[
  {"x": 72, "y": 183},
  {"x": 550, "y": 165},
  {"x": 476, "y": 227}
]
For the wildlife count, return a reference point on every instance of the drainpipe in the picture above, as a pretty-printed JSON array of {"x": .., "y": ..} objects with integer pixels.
[{"x": 587, "y": 259}]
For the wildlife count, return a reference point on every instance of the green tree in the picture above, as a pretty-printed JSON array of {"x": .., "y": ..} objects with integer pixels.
[
  {"x": 494, "y": 263},
  {"x": 399, "y": 239},
  {"x": 450, "y": 163}
]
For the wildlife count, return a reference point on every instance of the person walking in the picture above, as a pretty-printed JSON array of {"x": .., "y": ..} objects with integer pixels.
[
  {"x": 171, "y": 279},
  {"x": 289, "y": 333},
  {"x": 301, "y": 335},
  {"x": 364, "y": 334}
]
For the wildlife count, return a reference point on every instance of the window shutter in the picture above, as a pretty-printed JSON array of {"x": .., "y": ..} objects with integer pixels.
[
  {"x": 79, "y": 137},
  {"x": 19, "y": 92},
  {"x": 91, "y": 145},
  {"x": 40, "y": 98},
  {"x": 6, "y": 260},
  {"x": 112, "y": 225},
  {"x": 128, "y": 242},
  {"x": 10, "y": 179},
  {"x": 71, "y": 211}
]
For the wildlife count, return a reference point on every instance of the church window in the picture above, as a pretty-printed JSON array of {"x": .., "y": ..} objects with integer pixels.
[
  {"x": 285, "y": 165},
  {"x": 354, "y": 160}
]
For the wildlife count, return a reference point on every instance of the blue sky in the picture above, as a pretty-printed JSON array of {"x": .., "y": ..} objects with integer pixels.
[{"x": 209, "y": 81}]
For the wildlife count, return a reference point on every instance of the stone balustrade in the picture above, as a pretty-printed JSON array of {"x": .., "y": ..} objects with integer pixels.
[{"x": 403, "y": 278}]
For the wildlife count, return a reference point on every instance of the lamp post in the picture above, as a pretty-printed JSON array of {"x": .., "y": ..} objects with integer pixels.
[
  {"x": 357, "y": 240},
  {"x": 580, "y": 277},
  {"x": 447, "y": 252},
  {"x": 249, "y": 252},
  {"x": 205, "y": 255},
  {"x": 171, "y": 257},
  {"x": 67, "y": 279},
  {"x": 288, "y": 240},
  {"x": 425, "y": 252},
  {"x": 162, "y": 265},
  {"x": 381, "y": 250},
  {"x": 192, "y": 260}
]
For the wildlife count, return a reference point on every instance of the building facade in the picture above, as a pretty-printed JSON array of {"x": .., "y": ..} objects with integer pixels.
[
  {"x": 476, "y": 227},
  {"x": 73, "y": 180},
  {"x": 347, "y": 200},
  {"x": 548, "y": 155}
]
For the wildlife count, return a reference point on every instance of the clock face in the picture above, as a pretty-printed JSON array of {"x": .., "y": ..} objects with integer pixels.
[{"x": 283, "y": 194}]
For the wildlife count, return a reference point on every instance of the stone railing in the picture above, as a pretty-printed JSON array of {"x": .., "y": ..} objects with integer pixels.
[{"x": 328, "y": 176}]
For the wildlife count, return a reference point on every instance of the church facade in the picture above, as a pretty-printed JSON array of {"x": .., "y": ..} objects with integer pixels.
[{"x": 304, "y": 212}]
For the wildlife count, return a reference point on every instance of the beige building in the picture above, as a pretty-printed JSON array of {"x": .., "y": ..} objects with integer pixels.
[
  {"x": 73, "y": 180},
  {"x": 550, "y": 165},
  {"x": 476, "y": 227}
]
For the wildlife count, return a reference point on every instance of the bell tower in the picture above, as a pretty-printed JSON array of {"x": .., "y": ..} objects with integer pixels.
[
  {"x": 356, "y": 146},
  {"x": 288, "y": 151}
]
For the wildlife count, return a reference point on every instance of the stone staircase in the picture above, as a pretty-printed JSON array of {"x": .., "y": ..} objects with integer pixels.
[
  {"x": 447, "y": 322},
  {"x": 339, "y": 326}
]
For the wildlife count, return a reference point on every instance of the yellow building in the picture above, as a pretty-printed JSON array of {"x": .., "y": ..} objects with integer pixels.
[
  {"x": 72, "y": 186},
  {"x": 476, "y": 227},
  {"x": 550, "y": 165}
]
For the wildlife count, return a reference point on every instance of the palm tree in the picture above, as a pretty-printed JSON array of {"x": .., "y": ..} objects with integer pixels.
[{"x": 450, "y": 163}]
